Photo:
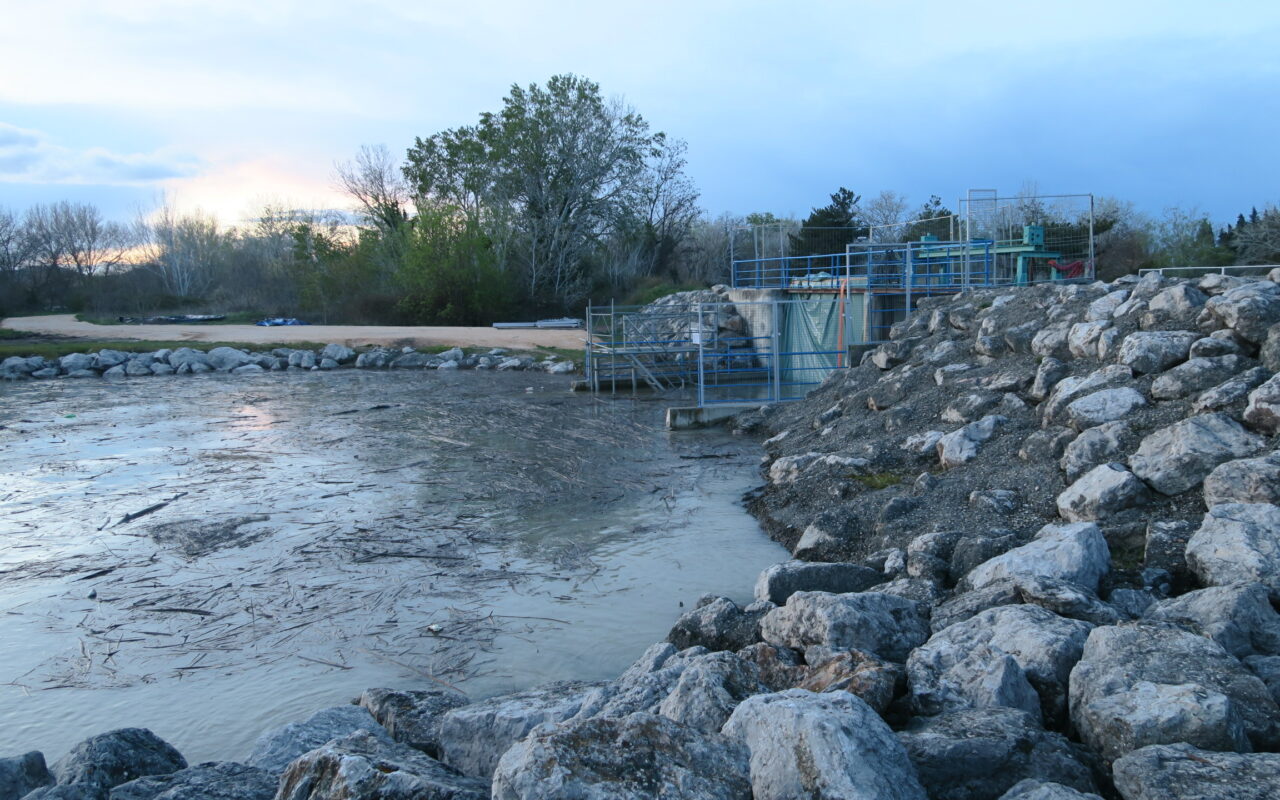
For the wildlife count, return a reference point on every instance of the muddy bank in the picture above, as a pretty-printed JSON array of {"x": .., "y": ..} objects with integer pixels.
[{"x": 235, "y": 551}]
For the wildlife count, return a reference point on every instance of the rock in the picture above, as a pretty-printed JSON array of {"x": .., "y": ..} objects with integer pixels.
[
  {"x": 76, "y": 361},
  {"x": 716, "y": 625},
  {"x": 160, "y": 368},
  {"x": 362, "y": 765},
  {"x": 106, "y": 359},
  {"x": 1246, "y": 480},
  {"x": 1166, "y": 546},
  {"x": 1267, "y": 668},
  {"x": 413, "y": 360},
  {"x": 1050, "y": 371},
  {"x": 970, "y": 407},
  {"x": 1131, "y": 688},
  {"x": 1269, "y": 353},
  {"x": 1196, "y": 375},
  {"x": 1077, "y": 553},
  {"x": 1065, "y": 599},
  {"x": 1184, "y": 772},
  {"x": 112, "y": 758},
  {"x": 82, "y": 373},
  {"x": 275, "y": 748},
  {"x": 1104, "y": 307},
  {"x": 187, "y": 356},
  {"x": 22, "y": 774},
  {"x": 708, "y": 690},
  {"x": 636, "y": 757},
  {"x": 831, "y": 746},
  {"x": 213, "y": 780},
  {"x": 227, "y": 359},
  {"x": 246, "y": 369},
  {"x": 327, "y": 364},
  {"x": 922, "y": 443},
  {"x": 1051, "y": 341},
  {"x": 1072, "y": 387},
  {"x": 873, "y": 680},
  {"x": 1082, "y": 339},
  {"x": 302, "y": 359},
  {"x": 1031, "y": 789},
  {"x": 1238, "y": 543},
  {"x": 1248, "y": 310},
  {"x": 1046, "y": 444},
  {"x": 883, "y": 624},
  {"x": 948, "y": 672},
  {"x": 1181, "y": 301},
  {"x": 976, "y": 754},
  {"x": 1238, "y": 616},
  {"x": 1263, "y": 411},
  {"x": 337, "y": 352},
  {"x": 561, "y": 368},
  {"x": 1216, "y": 283},
  {"x": 1094, "y": 446},
  {"x": 70, "y": 791},
  {"x": 997, "y": 501},
  {"x": 779, "y": 582},
  {"x": 1180, "y": 456},
  {"x": 509, "y": 364},
  {"x": 1103, "y": 492},
  {"x": 1104, "y": 406},
  {"x": 961, "y": 446},
  {"x": 1230, "y": 392},
  {"x": 1155, "y": 351},
  {"x": 474, "y": 737},
  {"x": 412, "y": 716},
  {"x": 1216, "y": 345},
  {"x": 138, "y": 369},
  {"x": 779, "y": 667},
  {"x": 50, "y": 372}
]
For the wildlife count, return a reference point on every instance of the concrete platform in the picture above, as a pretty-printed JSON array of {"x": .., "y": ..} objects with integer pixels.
[{"x": 680, "y": 418}]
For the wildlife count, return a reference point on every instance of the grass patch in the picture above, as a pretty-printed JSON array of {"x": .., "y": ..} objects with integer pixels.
[
  {"x": 878, "y": 480},
  {"x": 647, "y": 293},
  {"x": 7, "y": 333}
]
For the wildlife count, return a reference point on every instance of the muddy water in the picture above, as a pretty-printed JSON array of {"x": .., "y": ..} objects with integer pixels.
[{"x": 212, "y": 556}]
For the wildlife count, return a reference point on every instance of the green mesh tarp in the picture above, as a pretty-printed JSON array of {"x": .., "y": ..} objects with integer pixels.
[{"x": 810, "y": 339}]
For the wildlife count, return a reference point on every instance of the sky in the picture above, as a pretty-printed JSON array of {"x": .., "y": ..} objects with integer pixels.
[{"x": 225, "y": 105}]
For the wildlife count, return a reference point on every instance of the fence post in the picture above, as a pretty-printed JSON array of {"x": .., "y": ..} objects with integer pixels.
[
  {"x": 775, "y": 377},
  {"x": 910, "y": 273}
]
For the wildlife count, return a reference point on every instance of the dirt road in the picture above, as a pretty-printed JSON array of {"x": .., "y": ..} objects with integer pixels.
[{"x": 350, "y": 335}]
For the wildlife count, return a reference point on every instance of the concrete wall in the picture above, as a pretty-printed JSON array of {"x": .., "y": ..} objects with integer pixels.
[{"x": 759, "y": 318}]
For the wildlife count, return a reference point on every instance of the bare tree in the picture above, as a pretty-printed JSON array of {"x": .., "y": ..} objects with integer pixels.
[
  {"x": 374, "y": 181},
  {"x": 15, "y": 243},
  {"x": 886, "y": 216},
  {"x": 184, "y": 250},
  {"x": 1259, "y": 241}
]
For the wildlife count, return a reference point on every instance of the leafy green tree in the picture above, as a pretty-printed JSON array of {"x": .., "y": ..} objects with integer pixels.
[
  {"x": 829, "y": 228},
  {"x": 450, "y": 275}
]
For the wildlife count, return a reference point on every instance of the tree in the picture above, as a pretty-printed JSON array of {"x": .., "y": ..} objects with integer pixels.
[
  {"x": 375, "y": 182},
  {"x": 1259, "y": 241},
  {"x": 830, "y": 228},
  {"x": 183, "y": 250},
  {"x": 931, "y": 219},
  {"x": 885, "y": 215},
  {"x": 450, "y": 275}
]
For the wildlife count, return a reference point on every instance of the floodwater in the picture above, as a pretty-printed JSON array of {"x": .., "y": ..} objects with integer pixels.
[{"x": 211, "y": 556}]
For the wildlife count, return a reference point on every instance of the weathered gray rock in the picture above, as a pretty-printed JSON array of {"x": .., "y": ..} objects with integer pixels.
[
  {"x": 1230, "y": 392},
  {"x": 1267, "y": 668},
  {"x": 161, "y": 368},
  {"x": 105, "y": 359},
  {"x": 716, "y": 623},
  {"x": 708, "y": 690},
  {"x": 247, "y": 369},
  {"x": 1082, "y": 339},
  {"x": 779, "y": 582},
  {"x": 361, "y": 766},
  {"x": 114, "y": 372},
  {"x": 226, "y": 359},
  {"x": 275, "y": 748},
  {"x": 186, "y": 355},
  {"x": 1248, "y": 310},
  {"x": 969, "y": 407},
  {"x": 944, "y": 675},
  {"x": 474, "y": 737},
  {"x": 1197, "y": 375},
  {"x": 1237, "y": 616},
  {"x": 1269, "y": 353},
  {"x": 73, "y": 362},
  {"x": 1103, "y": 492},
  {"x": 1220, "y": 343},
  {"x": 1238, "y": 543},
  {"x": 1051, "y": 341},
  {"x": 1216, "y": 283},
  {"x": 46, "y": 372},
  {"x": 1184, "y": 772},
  {"x": 1065, "y": 599},
  {"x": 1070, "y": 388},
  {"x": 1050, "y": 371},
  {"x": 961, "y": 446},
  {"x": 22, "y": 774},
  {"x": 1180, "y": 456},
  {"x": 1180, "y": 301},
  {"x": 213, "y": 780},
  {"x": 1246, "y": 480},
  {"x": 411, "y": 716},
  {"x": 822, "y": 746},
  {"x": 997, "y": 501},
  {"x": 977, "y": 754},
  {"x": 857, "y": 672},
  {"x": 636, "y": 757},
  {"x": 1107, "y": 442},
  {"x": 112, "y": 758},
  {"x": 1114, "y": 713},
  {"x": 1032, "y": 789},
  {"x": 1263, "y": 411},
  {"x": 1105, "y": 306},
  {"x": 338, "y": 352},
  {"x": 1046, "y": 444},
  {"x": 413, "y": 361},
  {"x": 1155, "y": 351},
  {"x": 1077, "y": 553},
  {"x": 82, "y": 373},
  {"x": 70, "y": 791},
  {"x": 883, "y": 624}
]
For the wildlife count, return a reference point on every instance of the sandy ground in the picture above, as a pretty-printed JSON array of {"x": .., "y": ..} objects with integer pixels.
[{"x": 350, "y": 335}]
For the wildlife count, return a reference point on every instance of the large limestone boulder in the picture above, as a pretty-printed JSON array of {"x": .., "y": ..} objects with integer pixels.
[
  {"x": 275, "y": 748},
  {"x": 1238, "y": 543},
  {"x": 1105, "y": 443},
  {"x": 777, "y": 583},
  {"x": 1230, "y": 393},
  {"x": 978, "y": 753},
  {"x": 338, "y": 352},
  {"x": 1248, "y": 310},
  {"x": 115, "y": 757},
  {"x": 961, "y": 446},
  {"x": 1042, "y": 790},
  {"x": 361, "y": 765},
  {"x": 1107, "y": 405},
  {"x": 411, "y": 716},
  {"x": 22, "y": 774},
  {"x": 716, "y": 623},
  {"x": 1197, "y": 375},
  {"x": 1184, "y": 772},
  {"x": 1263, "y": 410},
  {"x": 963, "y": 664},
  {"x": 637, "y": 757},
  {"x": 1246, "y": 480},
  {"x": 74, "y": 362},
  {"x": 1179, "y": 457},
  {"x": 1077, "y": 553},
  {"x": 823, "y": 746},
  {"x": 214, "y": 780},
  {"x": 1071, "y": 387},
  {"x": 1155, "y": 351},
  {"x": 474, "y": 737},
  {"x": 1237, "y": 616},
  {"x": 883, "y": 624},
  {"x": 1147, "y": 683},
  {"x": 226, "y": 359},
  {"x": 1103, "y": 492}
]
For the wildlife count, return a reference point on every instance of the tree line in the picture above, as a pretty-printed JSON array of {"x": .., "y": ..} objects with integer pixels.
[{"x": 558, "y": 197}]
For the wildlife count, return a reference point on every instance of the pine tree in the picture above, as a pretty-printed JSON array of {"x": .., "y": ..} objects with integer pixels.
[{"x": 830, "y": 228}]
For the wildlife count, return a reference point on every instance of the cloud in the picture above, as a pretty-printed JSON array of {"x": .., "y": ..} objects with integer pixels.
[{"x": 28, "y": 156}]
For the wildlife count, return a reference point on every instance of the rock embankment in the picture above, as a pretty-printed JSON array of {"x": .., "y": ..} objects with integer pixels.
[
  {"x": 1037, "y": 557},
  {"x": 107, "y": 363}
]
